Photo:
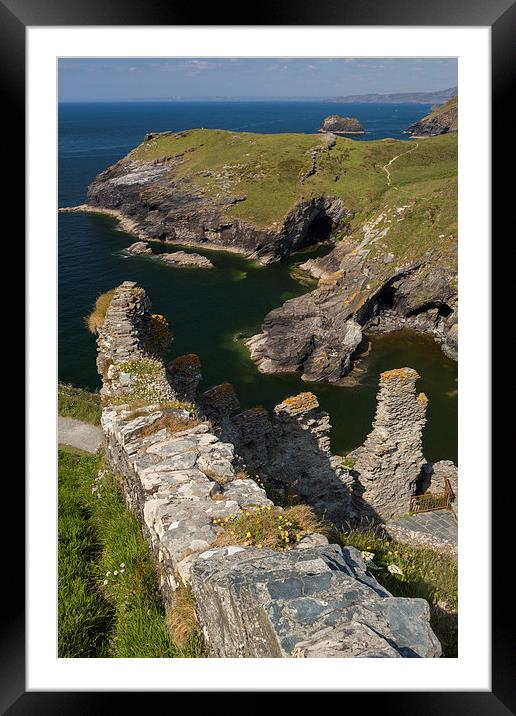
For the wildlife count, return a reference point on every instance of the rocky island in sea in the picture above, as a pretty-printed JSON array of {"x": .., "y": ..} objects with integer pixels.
[{"x": 341, "y": 125}]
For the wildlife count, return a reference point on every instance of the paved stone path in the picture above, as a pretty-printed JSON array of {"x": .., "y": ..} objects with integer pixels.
[
  {"x": 79, "y": 435},
  {"x": 439, "y": 523}
]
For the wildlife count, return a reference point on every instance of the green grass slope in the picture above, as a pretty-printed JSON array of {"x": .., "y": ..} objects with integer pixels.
[
  {"x": 267, "y": 169},
  {"x": 100, "y": 613}
]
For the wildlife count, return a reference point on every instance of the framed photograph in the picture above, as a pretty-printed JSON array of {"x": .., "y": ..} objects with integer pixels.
[{"x": 250, "y": 393}]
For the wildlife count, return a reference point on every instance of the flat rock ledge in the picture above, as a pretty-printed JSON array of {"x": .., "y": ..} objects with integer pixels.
[
  {"x": 313, "y": 600},
  {"x": 305, "y": 603},
  {"x": 139, "y": 247},
  {"x": 182, "y": 258}
]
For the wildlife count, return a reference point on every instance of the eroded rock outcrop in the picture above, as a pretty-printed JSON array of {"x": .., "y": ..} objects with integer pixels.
[
  {"x": 441, "y": 120},
  {"x": 389, "y": 463},
  {"x": 316, "y": 602},
  {"x": 319, "y": 333},
  {"x": 179, "y": 478},
  {"x": 139, "y": 247},
  {"x": 184, "y": 375},
  {"x": 341, "y": 125},
  {"x": 183, "y": 258},
  {"x": 143, "y": 194}
]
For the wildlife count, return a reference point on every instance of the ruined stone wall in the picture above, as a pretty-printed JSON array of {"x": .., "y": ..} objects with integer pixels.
[
  {"x": 306, "y": 601},
  {"x": 291, "y": 452}
]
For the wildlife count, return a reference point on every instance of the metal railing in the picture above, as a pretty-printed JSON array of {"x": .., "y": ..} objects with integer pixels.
[{"x": 433, "y": 500}]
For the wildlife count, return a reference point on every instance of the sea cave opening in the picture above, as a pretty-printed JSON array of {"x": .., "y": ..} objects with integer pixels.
[
  {"x": 318, "y": 231},
  {"x": 443, "y": 310},
  {"x": 385, "y": 298}
]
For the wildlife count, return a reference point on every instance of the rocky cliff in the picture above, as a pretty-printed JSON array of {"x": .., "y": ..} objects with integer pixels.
[
  {"x": 263, "y": 195},
  {"x": 311, "y": 599},
  {"x": 223, "y": 190},
  {"x": 362, "y": 288},
  {"x": 441, "y": 120}
]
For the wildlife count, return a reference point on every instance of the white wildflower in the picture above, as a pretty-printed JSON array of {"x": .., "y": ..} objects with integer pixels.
[
  {"x": 368, "y": 556},
  {"x": 394, "y": 569},
  {"x": 105, "y": 582},
  {"x": 115, "y": 572},
  {"x": 122, "y": 564}
]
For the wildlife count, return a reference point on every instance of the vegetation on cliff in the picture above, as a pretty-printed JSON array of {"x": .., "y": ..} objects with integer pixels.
[
  {"x": 109, "y": 604},
  {"x": 269, "y": 527},
  {"x": 264, "y": 170},
  {"x": 95, "y": 319}
]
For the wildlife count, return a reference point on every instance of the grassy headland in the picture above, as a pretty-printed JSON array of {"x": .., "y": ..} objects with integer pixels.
[
  {"x": 265, "y": 172},
  {"x": 260, "y": 165}
]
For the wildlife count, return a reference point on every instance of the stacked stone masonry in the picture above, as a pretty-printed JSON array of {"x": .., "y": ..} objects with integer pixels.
[
  {"x": 314, "y": 600},
  {"x": 390, "y": 461}
]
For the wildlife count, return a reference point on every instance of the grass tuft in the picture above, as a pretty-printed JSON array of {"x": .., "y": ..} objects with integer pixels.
[
  {"x": 95, "y": 319},
  {"x": 269, "y": 527},
  {"x": 181, "y": 620},
  {"x": 78, "y": 403}
]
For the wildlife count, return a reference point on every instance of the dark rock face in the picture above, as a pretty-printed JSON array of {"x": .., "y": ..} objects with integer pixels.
[
  {"x": 290, "y": 451},
  {"x": 312, "y": 602},
  {"x": 441, "y": 121},
  {"x": 178, "y": 213},
  {"x": 319, "y": 333},
  {"x": 341, "y": 125}
]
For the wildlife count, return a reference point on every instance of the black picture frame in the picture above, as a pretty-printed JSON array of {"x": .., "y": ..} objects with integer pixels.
[{"x": 500, "y": 16}]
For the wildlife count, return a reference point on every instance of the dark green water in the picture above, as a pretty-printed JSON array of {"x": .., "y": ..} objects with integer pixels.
[{"x": 210, "y": 310}]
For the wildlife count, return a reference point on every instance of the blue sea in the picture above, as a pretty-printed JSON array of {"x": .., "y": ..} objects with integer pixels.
[{"x": 210, "y": 311}]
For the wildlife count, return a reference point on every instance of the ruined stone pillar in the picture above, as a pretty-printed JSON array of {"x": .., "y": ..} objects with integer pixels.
[
  {"x": 185, "y": 374},
  {"x": 120, "y": 338},
  {"x": 219, "y": 402},
  {"x": 130, "y": 333},
  {"x": 389, "y": 462}
]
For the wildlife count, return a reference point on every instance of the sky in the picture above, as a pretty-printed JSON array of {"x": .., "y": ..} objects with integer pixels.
[{"x": 112, "y": 79}]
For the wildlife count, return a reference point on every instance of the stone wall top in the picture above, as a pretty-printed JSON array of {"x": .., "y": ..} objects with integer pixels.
[
  {"x": 405, "y": 374},
  {"x": 298, "y": 404}
]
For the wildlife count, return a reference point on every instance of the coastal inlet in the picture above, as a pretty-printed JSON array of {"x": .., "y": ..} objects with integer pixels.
[{"x": 212, "y": 311}]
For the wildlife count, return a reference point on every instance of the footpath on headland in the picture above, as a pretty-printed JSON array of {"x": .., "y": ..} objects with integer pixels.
[{"x": 79, "y": 434}]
